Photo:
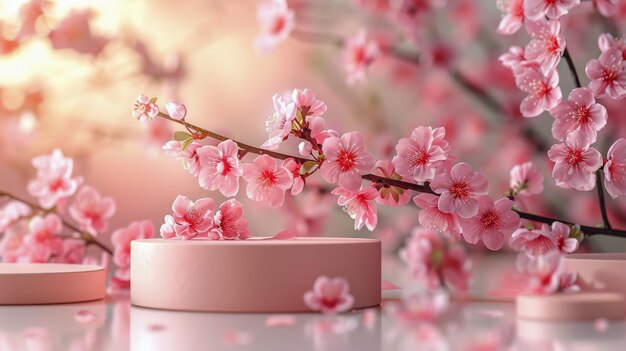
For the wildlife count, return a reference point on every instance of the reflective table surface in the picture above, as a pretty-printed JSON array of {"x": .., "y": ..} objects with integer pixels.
[{"x": 113, "y": 324}]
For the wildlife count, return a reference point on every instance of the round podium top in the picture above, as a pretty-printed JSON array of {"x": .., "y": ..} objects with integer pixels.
[
  {"x": 265, "y": 241},
  {"x": 49, "y": 283}
]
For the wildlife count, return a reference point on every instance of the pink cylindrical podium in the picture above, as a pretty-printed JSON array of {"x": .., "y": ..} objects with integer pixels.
[{"x": 251, "y": 275}]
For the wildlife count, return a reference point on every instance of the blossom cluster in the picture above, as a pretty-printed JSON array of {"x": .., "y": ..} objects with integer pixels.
[{"x": 39, "y": 233}]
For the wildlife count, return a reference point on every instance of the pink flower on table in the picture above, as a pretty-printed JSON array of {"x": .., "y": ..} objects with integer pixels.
[
  {"x": 431, "y": 217},
  {"x": 192, "y": 218},
  {"x": 12, "y": 212},
  {"x": 418, "y": 156},
  {"x": 91, "y": 211},
  {"x": 513, "y": 17},
  {"x": 305, "y": 100},
  {"x": 329, "y": 295},
  {"x": 346, "y": 160},
  {"x": 580, "y": 115},
  {"x": 575, "y": 164},
  {"x": 220, "y": 167},
  {"x": 553, "y": 9},
  {"x": 607, "y": 41},
  {"x": 267, "y": 181},
  {"x": 608, "y": 74},
  {"x": 121, "y": 239},
  {"x": 176, "y": 111},
  {"x": 54, "y": 180},
  {"x": 359, "y": 53},
  {"x": 145, "y": 108},
  {"x": 615, "y": 169},
  {"x": 276, "y": 21},
  {"x": 298, "y": 181},
  {"x": 279, "y": 123},
  {"x": 547, "y": 43},
  {"x": 526, "y": 179},
  {"x": 534, "y": 242},
  {"x": 43, "y": 240},
  {"x": 458, "y": 190},
  {"x": 189, "y": 156},
  {"x": 493, "y": 223},
  {"x": 561, "y": 234},
  {"x": 229, "y": 222},
  {"x": 390, "y": 195},
  {"x": 360, "y": 206},
  {"x": 543, "y": 91}
]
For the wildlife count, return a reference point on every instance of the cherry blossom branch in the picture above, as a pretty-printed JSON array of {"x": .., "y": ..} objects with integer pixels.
[
  {"x": 572, "y": 68},
  {"x": 383, "y": 180},
  {"x": 599, "y": 186},
  {"x": 88, "y": 238}
]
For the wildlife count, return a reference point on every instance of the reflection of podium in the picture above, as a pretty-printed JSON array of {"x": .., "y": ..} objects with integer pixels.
[
  {"x": 158, "y": 330},
  {"x": 253, "y": 275}
]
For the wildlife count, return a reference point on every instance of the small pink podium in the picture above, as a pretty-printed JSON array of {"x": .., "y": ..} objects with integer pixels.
[{"x": 251, "y": 275}]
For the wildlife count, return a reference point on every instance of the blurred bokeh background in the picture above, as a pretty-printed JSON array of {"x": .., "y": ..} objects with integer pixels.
[{"x": 70, "y": 71}]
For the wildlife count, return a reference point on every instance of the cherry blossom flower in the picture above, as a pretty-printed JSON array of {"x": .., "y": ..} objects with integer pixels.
[
  {"x": 526, "y": 179},
  {"x": 329, "y": 295},
  {"x": 167, "y": 229},
  {"x": 561, "y": 234},
  {"x": 121, "y": 239},
  {"x": 306, "y": 101},
  {"x": 220, "y": 168},
  {"x": 279, "y": 123},
  {"x": 176, "y": 111},
  {"x": 360, "y": 206},
  {"x": 229, "y": 222},
  {"x": 145, "y": 108},
  {"x": 318, "y": 131},
  {"x": 513, "y": 17},
  {"x": 74, "y": 32},
  {"x": 547, "y": 44},
  {"x": 455, "y": 268},
  {"x": 543, "y": 273},
  {"x": 553, "y": 9},
  {"x": 267, "y": 181},
  {"x": 54, "y": 178},
  {"x": 12, "y": 242},
  {"x": 192, "y": 218},
  {"x": 580, "y": 115},
  {"x": 431, "y": 217},
  {"x": 607, "y": 41},
  {"x": 615, "y": 169},
  {"x": 575, "y": 164},
  {"x": 346, "y": 160},
  {"x": 276, "y": 21},
  {"x": 91, "y": 210},
  {"x": 458, "y": 190},
  {"x": 189, "y": 156},
  {"x": 423, "y": 253},
  {"x": 418, "y": 156},
  {"x": 543, "y": 91},
  {"x": 493, "y": 223},
  {"x": 298, "y": 181},
  {"x": 533, "y": 242},
  {"x": 359, "y": 54},
  {"x": 43, "y": 240},
  {"x": 608, "y": 74},
  {"x": 513, "y": 58},
  {"x": 390, "y": 195},
  {"x": 12, "y": 212},
  {"x": 72, "y": 251}
]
